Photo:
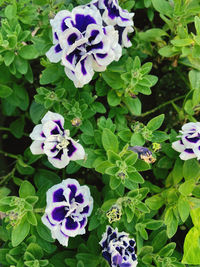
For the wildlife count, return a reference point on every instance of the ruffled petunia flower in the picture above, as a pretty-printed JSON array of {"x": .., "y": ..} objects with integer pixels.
[
  {"x": 51, "y": 139},
  {"x": 143, "y": 153},
  {"x": 118, "y": 248},
  {"x": 68, "y": 206},
  {"x": 82, "y": 43},
  {"x": 189, "y": 143},
  {"x": 113, "y": 14}
]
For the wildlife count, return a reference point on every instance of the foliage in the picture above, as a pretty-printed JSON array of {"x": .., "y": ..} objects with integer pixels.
[{"x": 141, "y": 100}]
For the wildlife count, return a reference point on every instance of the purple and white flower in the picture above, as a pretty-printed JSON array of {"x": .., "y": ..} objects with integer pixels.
[
  {"x": 118, "y": 248},
  {"x": 51, "y": 139},
  {"x": 113, "y": 14},
  {"x": 83, "y": 43},
  {"x": 68, "y": 206},
  {"x": 189, "y": 144}
]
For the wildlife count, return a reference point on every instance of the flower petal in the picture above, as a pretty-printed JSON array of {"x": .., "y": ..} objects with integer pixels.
[
  {"x": 178, "y": 146},
  {"x": 61, "y": 160},
  {"x": 37, "y": 133},
  {"x": 187, "y": 154},
  {"x": 54, "y": 54},
  {"x": 75, "y": 151},
  {"x": 55, "y": 117},
  {"x": 37, "y": 147},
  {"x": 51, "y": 128}
]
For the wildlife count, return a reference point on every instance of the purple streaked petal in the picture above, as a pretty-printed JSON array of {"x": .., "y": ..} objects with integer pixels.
[
  {"x": 70, "y": 224},
  {"x": 107, "y": 256},
  {"x": 79, "y": 198},
  {"x": 83, "y": 222},
  {"x": 61, "y": 160},
  {"x": 94, "y": 47},
  {"x": 71, "y": 148},
  {"x": 58, "y": 195},
  {"x": 49, "y": 221},
  {"x": 83, "y": 21},
  {"x": 85, "y": 210},
  {"x": 117, "y": 259},
  {"x": 72, "y": 38},
  {"x": 58, "y": 214},
  {"x": 57, "y": 48},
  {"x": 73, "y": 189}
]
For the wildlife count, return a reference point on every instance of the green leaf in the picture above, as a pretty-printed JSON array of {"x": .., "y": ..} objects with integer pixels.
[
  {"x": 131, "y": 159},
  {"x": 178, "y": 171},
  {"x": 154, "y": 224},
  {"x": 197, "y": 24},
  {"x": 21, "y": 65},
  {"x": 5, "y": 91},
  {"x": 101, "y": 167},
  {"x": 113, "y": 99},
  {"x": 9, "y": 57},
  {"x": 167, "y": 250},
  {"x": 36, "y": 112},
  {"x": 129, "y": 214},
  {"x": 17, "y": 127},
  {"x": 136, "y": 177},
  {"x": 51, "y": 74},
  {"x": 93, "y": 223},
  {"x": 10, "y": 12},
  {"x": 191, "y": 253},
  {"x": 109, "y": 140},
  {"x": 155, "y": 202},
  {"x": 187, "y": 187},
  {"x": 108, "y": 204},
  {"x": 114, "y": 182},
  {"x": 183, "y": 208},
  {"x": 43, "y": 231},
  {"x": 195, "y": 215},
  {"x": 125, "y": 135},
  {"x": 191, "y": 169},
  {"x": 20, "y": 232},
  {"x": 112, "y": 156},
  {"x": 31, "y": 218},
  {"x": 87, "y": 128},
  {"x": 167, "y": 51},
  {"x": 28, "y": 52},
  {"x": 163, "y": 7},
  {"x": 113, "y": 79},
  {"x": 26, "y": 189},
  {"x": 133, "y": 104},
  {"x": 182, "y": 42},
  {"x": 171, "y": 222},
  {"x": 137, "y": 139},
  {"x": 159, "y": 240},
  {"x": 156, "y": 122}
]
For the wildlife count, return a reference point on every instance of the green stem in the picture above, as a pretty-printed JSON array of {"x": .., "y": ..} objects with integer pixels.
[
  {"x": 161, "y": 106},
  {"x": 9, "y": 155},
  {"x": 7, "y": 177},
  {"x": 9, "y": 130}
]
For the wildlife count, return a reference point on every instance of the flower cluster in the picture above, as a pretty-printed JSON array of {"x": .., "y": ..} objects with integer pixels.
[
  {"x": 68, "y": 206},
  {"x": 89, "y": 38},
  {"x": 118, "y": 248},
  {"x": 51, "y": 139},
  {"x": 189, "y": 144}
]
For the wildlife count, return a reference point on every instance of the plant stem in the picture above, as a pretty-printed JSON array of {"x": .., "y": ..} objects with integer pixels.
[
  {"x": 9, "y": 130},
  {"x": 7, "y": 177},
  {"x": 161, "y": 106},
  {"x": 9, "y": 155}
]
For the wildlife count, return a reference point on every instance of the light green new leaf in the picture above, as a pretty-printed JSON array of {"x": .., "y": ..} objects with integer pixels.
[
  {"x": 26, "y": 189},
  {"x": 20, "y": 232},
  {"x": 191, "y": 249},
  {"x": 109, "y": 140},
  {"x": 156, "y": 122}
]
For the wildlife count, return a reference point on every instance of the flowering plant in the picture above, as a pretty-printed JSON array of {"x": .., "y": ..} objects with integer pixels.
[
  {"x": 99, "y": 90},
  {"x": 68, "y": 206},
  {"x": 51, "y": 139},
  {"x": 118, "y": 248},
  {"x": 189, "y": 144}
]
